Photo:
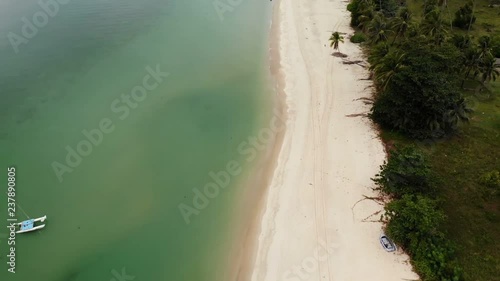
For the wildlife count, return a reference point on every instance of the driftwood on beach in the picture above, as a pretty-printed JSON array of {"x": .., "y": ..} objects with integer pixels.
[
  {"x": 358, "y": 62},
  {"x": 357, "y": 115},
  {"x": 348, "y": 62},
  {"x": 352, "y": 61}
]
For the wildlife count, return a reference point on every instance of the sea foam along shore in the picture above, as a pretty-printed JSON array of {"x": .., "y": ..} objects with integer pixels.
[{"x": 311, "y": 228}]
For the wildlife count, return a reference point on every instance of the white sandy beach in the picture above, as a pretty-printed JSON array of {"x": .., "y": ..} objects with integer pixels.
[{"x": 325, "y": 163}]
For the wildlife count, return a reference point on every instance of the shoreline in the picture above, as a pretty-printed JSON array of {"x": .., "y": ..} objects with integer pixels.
[
  {"x": 322, "y": 163},
  {"x": 244, "y": 249}
]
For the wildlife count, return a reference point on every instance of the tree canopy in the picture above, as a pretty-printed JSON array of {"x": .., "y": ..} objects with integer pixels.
[{"x": 421, "y": 97}]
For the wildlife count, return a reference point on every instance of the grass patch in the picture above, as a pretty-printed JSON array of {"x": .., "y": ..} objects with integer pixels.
[{"x": 487, "y": 18}]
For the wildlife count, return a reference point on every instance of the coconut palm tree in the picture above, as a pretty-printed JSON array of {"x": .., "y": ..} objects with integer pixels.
[
  {"x": 459, "y": 112},
  {"x": 429, "y": 6},
  {"x": 414, "y": 30},
  {"x": 335, "y": 39},
  {"x": 489, "y": 69},
  {"x": 434, "y": 26},
  {"x": 462, "y": 42},
  {"x": 444, "y": 3},
  {"x": 390, "y": 65},
  {"x": 377, "y": 53},
  {"x": 401, "y": 22},
  {"x": 471, "y": 63},
  {"x": 365, "y": 3},
  {"x": 485, "y": 46},
  {"x": 378, "y": 29},
  {"x": 472, "y": 18},
  {"x": 366, "y": 16}
]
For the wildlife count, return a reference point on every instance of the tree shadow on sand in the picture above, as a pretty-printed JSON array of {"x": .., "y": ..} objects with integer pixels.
[{"x": 339, "y": 55}]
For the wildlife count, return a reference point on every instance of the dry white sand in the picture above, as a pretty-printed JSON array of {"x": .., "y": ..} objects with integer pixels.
[{"x": 325, "y": 163}]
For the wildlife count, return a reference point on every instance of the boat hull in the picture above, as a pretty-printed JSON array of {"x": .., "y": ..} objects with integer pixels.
[
  {"x": 31, "y": 229},
  {"x": 29, "y": 225},
  {"x": 387, "y": 244}
]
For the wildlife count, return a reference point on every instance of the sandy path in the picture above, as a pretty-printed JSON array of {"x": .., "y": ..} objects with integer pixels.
[{"x": 325, "y": 163}]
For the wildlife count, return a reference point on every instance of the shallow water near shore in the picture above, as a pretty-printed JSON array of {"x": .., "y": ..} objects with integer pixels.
[{"x": 114, "y": 210}]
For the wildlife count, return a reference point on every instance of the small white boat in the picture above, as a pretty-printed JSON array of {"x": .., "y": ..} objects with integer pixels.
[
  {"x": 31, "y": 225},
  {"x": 388, "y": 245}
]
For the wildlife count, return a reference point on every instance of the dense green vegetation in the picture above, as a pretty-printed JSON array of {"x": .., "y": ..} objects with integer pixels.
[
  {"x": 358, "y": 38},
  {"x": 437, "y": 100},
  {"x": 419, "y": 93},
  {"x": 406, "y": 172},
  {"x": 414, "y": 217}
]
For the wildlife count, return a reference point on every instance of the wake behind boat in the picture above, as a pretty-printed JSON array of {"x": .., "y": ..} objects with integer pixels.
[{"x": 31, "y": 225}]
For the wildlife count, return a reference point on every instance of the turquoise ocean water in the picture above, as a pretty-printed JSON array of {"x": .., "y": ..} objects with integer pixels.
[{"x": 114, "y": 213}]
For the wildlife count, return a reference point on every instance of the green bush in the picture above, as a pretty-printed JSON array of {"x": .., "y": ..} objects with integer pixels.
[
  {"x": 412, "y": 219},
  {"x": 414, "y": 222},
  {"x": 491, "y": 179},
  {"x": 464, "y": 17},
  {"x": 358, "y": 38},
  {"x": 434, "y": 261},
  {"x": 420, "y": 95},
  {"x": 405, "y": 172},
  {"x": 351, "y": 7}
]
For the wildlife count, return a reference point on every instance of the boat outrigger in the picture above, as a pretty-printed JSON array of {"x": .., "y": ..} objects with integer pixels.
[
  {"x": 31, "y": 225},
  {"x": 388, "y": 245}
]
